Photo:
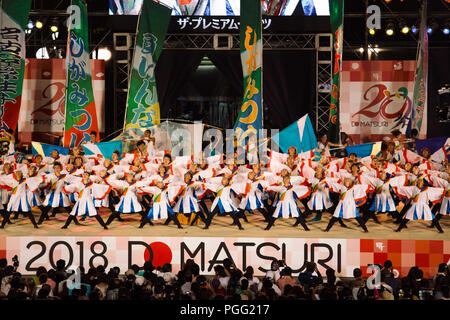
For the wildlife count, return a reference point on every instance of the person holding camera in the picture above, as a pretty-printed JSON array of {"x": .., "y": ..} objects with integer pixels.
[{"x": 307, "y": 278}]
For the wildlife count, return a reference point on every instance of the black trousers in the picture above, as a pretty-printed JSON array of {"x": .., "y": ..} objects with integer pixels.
[
  {"x": 403, "y": 212},
  {"x": 45, "y": 211},
  {"x": 74, "y": 218},
  {"x": 171, "y": 217},
  {"x": 203, "y": 214},
  {"x": 114, "y": 215},
  {"x": 5, "y": 216},
  {"x": 234, "y": 215},
  {"x": 334, "y": 219},
  {"x": 434, "y": 223},
  {"x": 28, "y": 214}
]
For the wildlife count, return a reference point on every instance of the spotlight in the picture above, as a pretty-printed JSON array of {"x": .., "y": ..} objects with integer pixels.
[
  {"x": 361, "y": 50},
  {"x": 30, "y": 25},
  {"x": 390, "y": 26},
  {"x": 39, "y": 24},
  {"x": 104, "y": 54},
  {"x": 432, "y": 26},
  {"x": 403, "y": 26},
  {"x": 414, "y": 29},
  {"x": 54, "y": 28},
  {"x": 372, "y": 31},
  {"x": 446, "y": 28}
]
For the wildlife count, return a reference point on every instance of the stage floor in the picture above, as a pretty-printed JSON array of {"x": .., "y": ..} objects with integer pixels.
[{"x": 221, "y": 227}]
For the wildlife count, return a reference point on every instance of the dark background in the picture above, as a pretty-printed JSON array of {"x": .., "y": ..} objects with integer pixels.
[{"x": 207, "y": 85}]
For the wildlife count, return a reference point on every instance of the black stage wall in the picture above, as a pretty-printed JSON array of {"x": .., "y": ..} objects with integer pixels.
[
  {"x": 438, "y": 75},
  {"x": 288, "y": 80}
]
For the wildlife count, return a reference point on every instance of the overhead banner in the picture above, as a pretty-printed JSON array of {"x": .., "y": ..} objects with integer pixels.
[
  {"x": 13, "y": 21},
  {"x": 142, "y": 110},
  {"x": 80, "y": 114},
  {"x": 421, "y": 75},
  {"x": 42, "y": 109},
  {"x": 376, "y": 98},
  {"x": 342, "y": 255},
  {"x": 337, "y": 29},
  {"x": 250, "y": 117}
]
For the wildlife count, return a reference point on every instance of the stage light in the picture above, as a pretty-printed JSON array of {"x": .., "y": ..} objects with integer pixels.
[
  {"x": 54, "y": 28},
  {"x": 361, "y": 50},
  {"x": 414, "y": 29},
  {"x": 42, "y": 53},
  {"x": 39, "y": 24},
  {"x": 104, "y": 54},
  {"x": 403, "y": 26},
  {"x": 446, "y": 28},
  {"x": 30, "y": 25},
  {"x": 432, "y": 26},
  {"x": 390, "y": 26},
  {"x": 372, "y": 31}
]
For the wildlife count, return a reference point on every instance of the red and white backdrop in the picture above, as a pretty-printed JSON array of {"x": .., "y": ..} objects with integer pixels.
[
  {"x": 343, "y": 255},
  {"x": 376, "y": 98},
  {"x": 42, "y": 109}
]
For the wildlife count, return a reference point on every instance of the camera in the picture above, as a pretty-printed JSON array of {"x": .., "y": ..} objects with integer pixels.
[{"x": 15, "y": 260}]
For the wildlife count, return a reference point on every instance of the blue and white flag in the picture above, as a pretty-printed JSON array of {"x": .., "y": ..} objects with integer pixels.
[
  {"x": 365, "y": 150},
  {"x": 106, "y": 149},
  {"x": 299, "y": 134},
  {"x": 45, "y": 149}
]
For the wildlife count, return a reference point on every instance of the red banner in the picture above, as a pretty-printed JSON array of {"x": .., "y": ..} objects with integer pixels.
[{"x": 42, "y": 114}]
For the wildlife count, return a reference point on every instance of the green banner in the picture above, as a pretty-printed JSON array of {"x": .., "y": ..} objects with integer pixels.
[
  {"x": 80, "y": 112},
  {"x": 250, "y": 117},
  {"x": 142, "y": 109},
  {"x": 13, "y": 21},
  {"x": 420, "y": 82},
  {"x": 337, "y": 29}
]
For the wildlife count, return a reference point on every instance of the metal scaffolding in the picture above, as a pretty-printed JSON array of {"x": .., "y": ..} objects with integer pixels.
[{"x": 321, "y": 43}]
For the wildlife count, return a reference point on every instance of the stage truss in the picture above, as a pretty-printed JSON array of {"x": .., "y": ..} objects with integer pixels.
[{"x": 321, "y": 43}]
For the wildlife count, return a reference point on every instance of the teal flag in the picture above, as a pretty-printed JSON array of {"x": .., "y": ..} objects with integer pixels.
[
  {"x": 337, "y": 29},
  {"x": 250, "y": 117},
  {"x": 142, "y": 110}
]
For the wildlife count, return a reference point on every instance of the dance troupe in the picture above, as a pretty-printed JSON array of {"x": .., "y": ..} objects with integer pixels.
[{"x": 293, "y": 185}]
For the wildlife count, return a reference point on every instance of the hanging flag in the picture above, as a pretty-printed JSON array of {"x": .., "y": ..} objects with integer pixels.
[
  {"x": 337, "y": 29},
  {"x": 421, "y": 75},
  {"x": 45, "y": 150},
  {"x": 250, "y": 117},
  {"x": 13, "y": 21},
  {"x": 80, "y": 113},
  {"x": 105, "y": 149},
  {"x": 142, "y": 110},
  {"x": 299, "y": 134}
]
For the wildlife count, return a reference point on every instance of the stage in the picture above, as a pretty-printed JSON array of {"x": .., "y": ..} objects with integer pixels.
[
  {"x": 221, "y": 227},
  {"x": 124, "y": 244}
]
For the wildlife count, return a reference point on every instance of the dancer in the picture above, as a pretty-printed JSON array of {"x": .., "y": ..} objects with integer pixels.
[
  {"x": 87, "y": 192},
  {"x": 285, "y": 205},
  {"x": 420, "y": 195},
  {"x": 161, "y": 208},
  {"x": 351, "y": 197}
]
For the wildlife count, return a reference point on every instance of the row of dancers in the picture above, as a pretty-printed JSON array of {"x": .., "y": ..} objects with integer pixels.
[{"x": 292, "y": 185}]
